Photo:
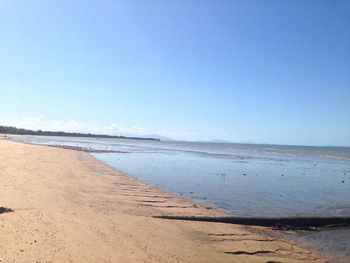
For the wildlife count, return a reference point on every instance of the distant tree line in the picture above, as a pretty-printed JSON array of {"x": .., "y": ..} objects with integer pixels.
[{"x": 19, "y": 131}]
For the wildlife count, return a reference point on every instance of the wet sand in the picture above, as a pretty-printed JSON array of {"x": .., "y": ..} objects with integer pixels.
[{"x": 68, "y": 207}]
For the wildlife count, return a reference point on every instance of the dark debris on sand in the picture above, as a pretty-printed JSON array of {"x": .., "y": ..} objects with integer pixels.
[{"x": 5, "y": 210}]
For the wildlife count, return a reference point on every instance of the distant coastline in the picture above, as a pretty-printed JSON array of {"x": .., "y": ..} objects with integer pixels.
[{"x": 20, "y": 131}]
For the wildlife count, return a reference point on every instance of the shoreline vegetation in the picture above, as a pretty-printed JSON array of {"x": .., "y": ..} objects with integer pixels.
[
  {"x": 19, "y": 131},
  {"x": 62, "y": 205}
]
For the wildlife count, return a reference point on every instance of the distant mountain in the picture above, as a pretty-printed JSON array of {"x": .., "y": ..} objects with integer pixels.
[
  {"x": 157, "y": 136},
  {"x": 19, "y": 131}
]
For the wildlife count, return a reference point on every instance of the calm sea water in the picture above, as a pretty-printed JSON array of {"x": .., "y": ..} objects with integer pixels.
[{"x": 245, "y": 179}]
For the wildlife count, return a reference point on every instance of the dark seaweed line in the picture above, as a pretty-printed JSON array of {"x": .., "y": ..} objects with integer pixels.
[{"x": 308, "y": 223}]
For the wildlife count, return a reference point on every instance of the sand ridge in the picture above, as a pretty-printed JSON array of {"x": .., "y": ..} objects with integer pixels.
[{"x": 69, "y": 207}]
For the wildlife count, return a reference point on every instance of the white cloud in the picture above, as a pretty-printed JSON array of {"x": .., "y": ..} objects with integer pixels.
[{"x": 39, "y": 123}]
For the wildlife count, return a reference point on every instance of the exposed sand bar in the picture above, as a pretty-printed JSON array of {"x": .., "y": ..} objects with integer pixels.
[{"x": 68, "y": 207}]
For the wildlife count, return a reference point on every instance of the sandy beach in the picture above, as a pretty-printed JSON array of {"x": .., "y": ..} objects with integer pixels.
[{"x": 68, "y": 207}]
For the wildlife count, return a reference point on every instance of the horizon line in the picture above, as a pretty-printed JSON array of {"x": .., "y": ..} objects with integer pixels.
[{"x": 223, "y": 141}]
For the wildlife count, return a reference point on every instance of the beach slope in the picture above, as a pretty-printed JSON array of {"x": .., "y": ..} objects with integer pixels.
[{"x": 68, "y": 207}]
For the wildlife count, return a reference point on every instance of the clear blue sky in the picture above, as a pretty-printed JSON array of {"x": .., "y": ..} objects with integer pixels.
[{"x": 245, "y": 71}]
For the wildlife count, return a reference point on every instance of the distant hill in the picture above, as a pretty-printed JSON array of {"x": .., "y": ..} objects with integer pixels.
[
  {"x": 19, "y": 131},
  {"x": 156, "y": 136}
]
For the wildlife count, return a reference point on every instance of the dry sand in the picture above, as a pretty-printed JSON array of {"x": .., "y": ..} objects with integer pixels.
[{"x": 68, "y": 207}]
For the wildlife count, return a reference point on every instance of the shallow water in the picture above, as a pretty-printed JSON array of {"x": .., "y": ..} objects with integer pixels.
[
  {"x": 245, "y": 187},
  {"x": 334, "y": 242},
  {"x": 245, "y": 179}
]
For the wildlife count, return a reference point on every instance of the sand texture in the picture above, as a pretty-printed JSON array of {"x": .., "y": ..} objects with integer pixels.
[{"x": 68, "y": 207}]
